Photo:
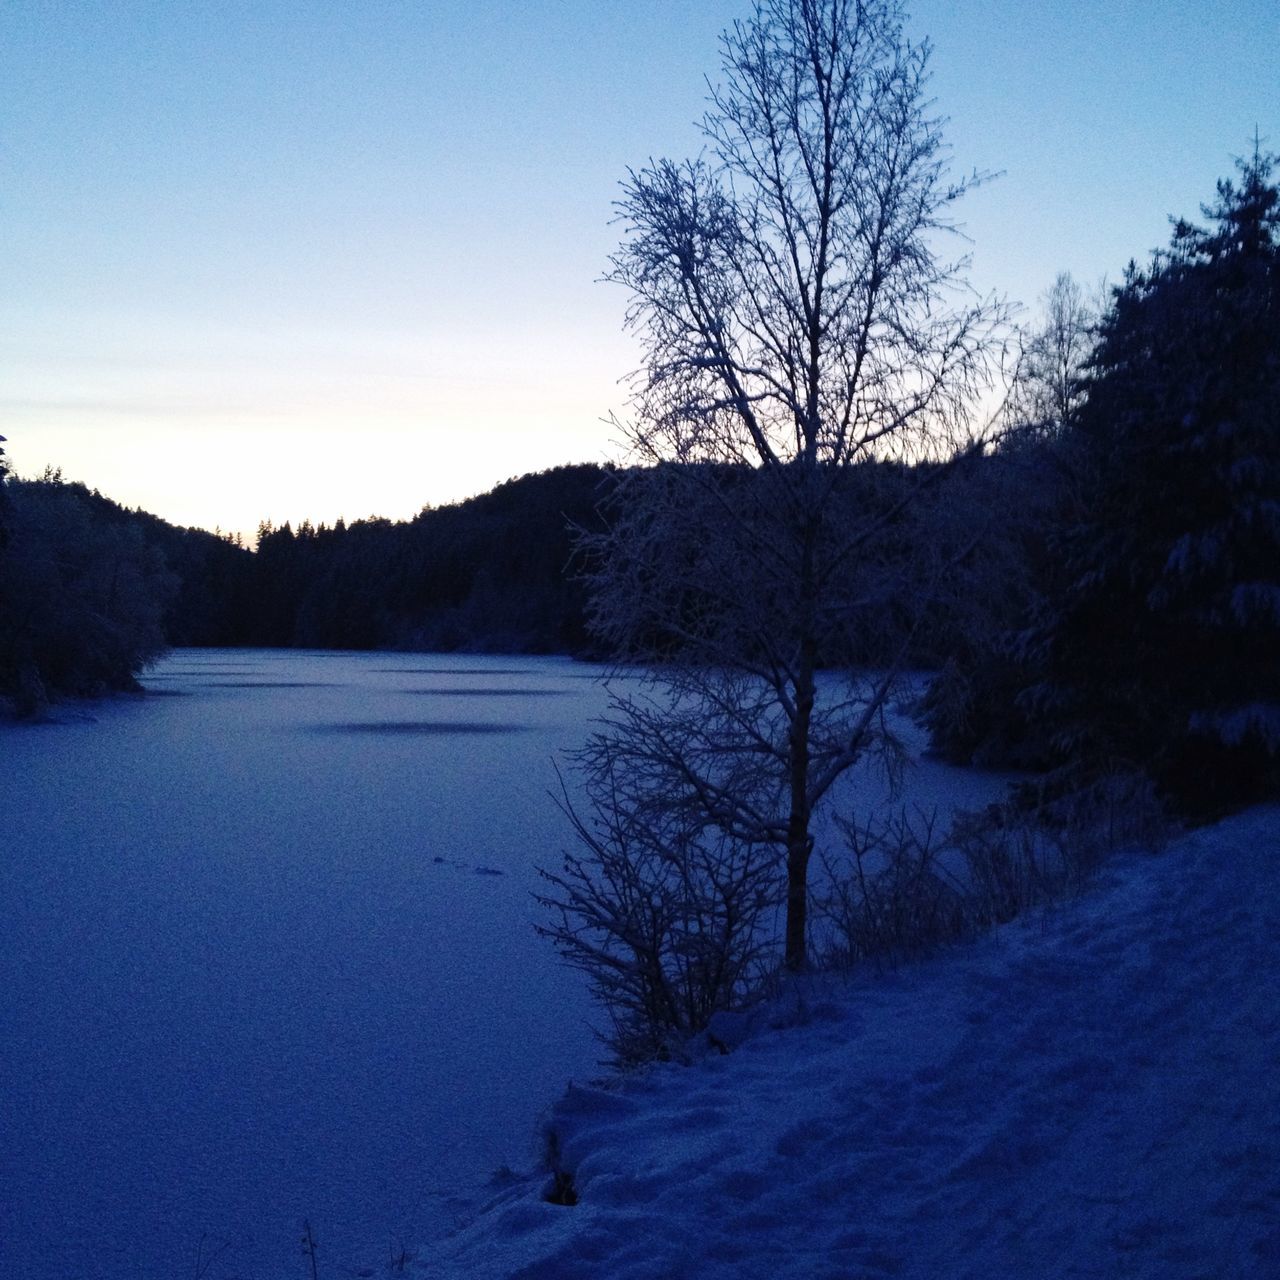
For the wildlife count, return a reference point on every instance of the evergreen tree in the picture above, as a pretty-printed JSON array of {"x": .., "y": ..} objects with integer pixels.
[
  {"x": 1161, "y": 648},
  {"x": 4, "y": 501},
  {"x": 82, "y": 595}
]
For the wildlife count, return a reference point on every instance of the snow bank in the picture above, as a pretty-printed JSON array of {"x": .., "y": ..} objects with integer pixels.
[{"x": 1094, "y": 1092}]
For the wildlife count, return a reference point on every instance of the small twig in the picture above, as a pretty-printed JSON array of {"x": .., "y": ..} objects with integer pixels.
[
  {"x": 202, "y": 1264},
  {"x": 309, "y": 1246}
]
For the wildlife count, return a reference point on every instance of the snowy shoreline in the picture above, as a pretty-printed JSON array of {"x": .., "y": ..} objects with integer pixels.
[
  {"x": 1092, "y": 1091},
  {"x": 1089, "y": 1091}
]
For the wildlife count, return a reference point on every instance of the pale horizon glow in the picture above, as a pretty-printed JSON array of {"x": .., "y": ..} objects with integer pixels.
[{"x": 278, "y": 262}]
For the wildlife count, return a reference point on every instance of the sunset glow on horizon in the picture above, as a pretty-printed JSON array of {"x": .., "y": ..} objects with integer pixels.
[{"x": 281, "y": 261}]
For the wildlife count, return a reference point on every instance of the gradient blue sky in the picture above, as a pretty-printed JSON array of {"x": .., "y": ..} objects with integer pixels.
[{"x": 277, "y": 259}]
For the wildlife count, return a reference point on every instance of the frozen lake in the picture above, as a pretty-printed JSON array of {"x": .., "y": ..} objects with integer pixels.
[{"x": 266, "y": 954}]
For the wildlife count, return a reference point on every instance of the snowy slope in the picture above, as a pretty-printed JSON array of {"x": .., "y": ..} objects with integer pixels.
[{"x": 1095, "y": 1092}]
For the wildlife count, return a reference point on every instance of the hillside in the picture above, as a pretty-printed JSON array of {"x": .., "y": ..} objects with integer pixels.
[
  {"x": 1090, "y": 1093},
  {"x": 91, "y": 591}
]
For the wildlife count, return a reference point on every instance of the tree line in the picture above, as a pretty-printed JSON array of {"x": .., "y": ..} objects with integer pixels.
[
  {"x": 491, "y": 574},
  {"x": 91, "y": 592},
  {"x": 1140, "y": 627}
]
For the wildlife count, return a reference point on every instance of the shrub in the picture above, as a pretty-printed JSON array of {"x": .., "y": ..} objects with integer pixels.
[
  {"x": 666, "y": 917},
  {"x": 905, "y": 891}
]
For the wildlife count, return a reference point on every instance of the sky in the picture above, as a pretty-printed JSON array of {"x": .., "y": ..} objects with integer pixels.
[{"x": 286, "y": 259}]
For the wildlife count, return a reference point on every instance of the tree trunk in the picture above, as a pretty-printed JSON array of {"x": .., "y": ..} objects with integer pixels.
[
  {"x": 799, "y": 845},
  {"x": 799, "y": 841}
]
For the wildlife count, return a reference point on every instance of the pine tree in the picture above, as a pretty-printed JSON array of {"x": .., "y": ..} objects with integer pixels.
[
  {"x": 1162, "y": 649},
  {"x": 4, "y": 500}
]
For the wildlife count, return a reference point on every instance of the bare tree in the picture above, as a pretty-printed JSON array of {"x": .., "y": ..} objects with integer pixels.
[
  {"x": 1049, "y": 387},
  {"x": 803, "y": 340}
]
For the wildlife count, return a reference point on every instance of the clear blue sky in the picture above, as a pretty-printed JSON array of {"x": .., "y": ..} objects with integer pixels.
[{"x": 270, "y": 259}]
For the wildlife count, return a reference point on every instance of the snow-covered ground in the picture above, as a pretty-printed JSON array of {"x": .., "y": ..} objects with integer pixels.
[
  {"x": 1091, "y": 1092},
  {"x": 266, "y": 955}
]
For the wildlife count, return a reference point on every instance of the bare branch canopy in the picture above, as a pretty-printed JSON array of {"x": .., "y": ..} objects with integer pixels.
[{"x": 806, "y": 339}]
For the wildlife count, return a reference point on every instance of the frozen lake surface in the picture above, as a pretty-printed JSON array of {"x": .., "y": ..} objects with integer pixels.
[{"x": 266, "y": 955}]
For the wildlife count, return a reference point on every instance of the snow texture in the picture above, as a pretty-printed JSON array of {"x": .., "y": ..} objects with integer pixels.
[
  {"x": 1257, "y": 720},
  {"x": 266, "y": 954},
  {"x": 1093, "y": 1092}
]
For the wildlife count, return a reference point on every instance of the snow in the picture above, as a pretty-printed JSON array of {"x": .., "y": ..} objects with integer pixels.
[
  {"x": 256, "y": 965},
  {"x": 1092, "y": 1092},
  {"x": 1260, "y": 720},
  {"x": 266, "y": 956}
]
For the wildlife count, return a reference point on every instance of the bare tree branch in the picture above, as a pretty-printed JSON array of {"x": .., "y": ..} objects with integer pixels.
[{"x": 804, "y": 341}]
